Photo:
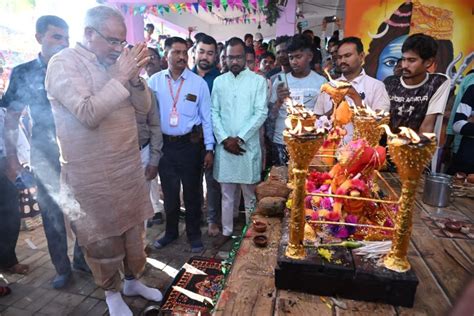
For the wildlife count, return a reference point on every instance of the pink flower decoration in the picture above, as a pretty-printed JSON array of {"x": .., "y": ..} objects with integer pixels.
[
  {"x": 326, "y": 203},
  {"x": 342, "y": 232},
  {"x": 307, "y": 201},
  {"x": 351, "y": 219},
  {"x": 333, "y": 216}
]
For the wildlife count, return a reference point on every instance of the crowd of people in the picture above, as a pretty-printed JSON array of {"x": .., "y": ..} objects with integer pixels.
[{"x": 115, "y": 124}]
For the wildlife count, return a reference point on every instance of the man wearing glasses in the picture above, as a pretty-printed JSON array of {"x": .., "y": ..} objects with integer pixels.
[
  {"x": 95, "y": 91},
  {"x": 185, "y": 113},
  {"x": 238, "y": 111}
]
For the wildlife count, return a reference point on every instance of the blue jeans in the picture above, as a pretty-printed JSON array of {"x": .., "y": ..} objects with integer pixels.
[
  {"x": 279, "y": 155},
  {"x": 47, "y": 180}
]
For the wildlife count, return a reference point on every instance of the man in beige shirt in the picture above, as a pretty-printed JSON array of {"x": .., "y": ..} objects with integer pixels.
[
  {"x": 150, "y": 140},
  {"x": 95, "y": 91}
]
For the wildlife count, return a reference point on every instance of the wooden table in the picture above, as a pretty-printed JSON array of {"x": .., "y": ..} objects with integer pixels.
[{"x": 443, "y": 266}]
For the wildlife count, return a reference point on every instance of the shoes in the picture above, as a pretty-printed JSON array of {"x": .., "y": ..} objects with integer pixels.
[
  {"x": 19, "y": 269},
  {"x": 213, "y": 230},
  {"x": 196, "y": 246},
  {"x": 221, "y": 241},
  {"x": 163, "y": 242},
  {"x": 81, "y": 267},
  {"x": 158, "y": 219},
  {"x": 61, "y": 280}
]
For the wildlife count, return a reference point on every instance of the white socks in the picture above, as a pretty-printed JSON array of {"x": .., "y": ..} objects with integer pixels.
[
  {"x": 116, "y": 304},
  {"x": 134, "y": 287}
]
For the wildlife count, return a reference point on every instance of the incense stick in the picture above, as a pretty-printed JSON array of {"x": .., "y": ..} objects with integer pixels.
[{"x": 351, "y": 224}]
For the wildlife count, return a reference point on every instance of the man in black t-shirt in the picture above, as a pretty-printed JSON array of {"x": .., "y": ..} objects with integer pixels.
[{"x": 417, "y": 98}]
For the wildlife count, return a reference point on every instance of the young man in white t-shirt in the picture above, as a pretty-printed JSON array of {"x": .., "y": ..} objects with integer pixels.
[{"x": 301, "y": 85}]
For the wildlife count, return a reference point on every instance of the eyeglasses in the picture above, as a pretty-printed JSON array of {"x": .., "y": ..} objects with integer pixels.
[
  {"x": 238, "y": 58},
  {"x": 112, "y": 42}
]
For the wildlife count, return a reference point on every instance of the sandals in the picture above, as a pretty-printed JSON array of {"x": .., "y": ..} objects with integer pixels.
[
  {"x": 19, "y": 269},
  {"x": 4, "y": 291}
]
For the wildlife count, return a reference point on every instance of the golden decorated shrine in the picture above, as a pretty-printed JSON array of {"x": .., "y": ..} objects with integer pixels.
[{"x": 347, "y": 232}]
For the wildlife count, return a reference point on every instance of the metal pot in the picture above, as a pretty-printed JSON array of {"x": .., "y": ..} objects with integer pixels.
[{"x": 438, "y": 189}]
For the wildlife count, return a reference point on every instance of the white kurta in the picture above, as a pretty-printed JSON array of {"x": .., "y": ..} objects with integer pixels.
[{"x": 239, "y": 110}]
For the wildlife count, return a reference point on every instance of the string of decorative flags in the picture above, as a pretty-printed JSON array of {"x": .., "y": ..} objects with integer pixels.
[
  {"x": 249, "y": 8},
  {"x": 244, "y": 19}
]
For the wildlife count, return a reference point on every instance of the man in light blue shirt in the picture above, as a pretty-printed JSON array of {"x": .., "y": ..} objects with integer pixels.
[{"x": 184, "y": 106}]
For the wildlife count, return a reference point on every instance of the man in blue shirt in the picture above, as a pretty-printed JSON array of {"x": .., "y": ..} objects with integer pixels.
[
  {"x": 205, "y": 58},
  {"x": 27, "y": 88},
  {"x": 185, "y": 111}
]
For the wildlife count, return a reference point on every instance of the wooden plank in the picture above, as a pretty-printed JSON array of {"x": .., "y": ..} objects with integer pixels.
[
  {"x": 18, "y": 292},
  {"x": 37, "y": 299},
  {"x": 430, "y": 299},
  {"x": 81, "y": 284},
  {"x": 13, "y": 311},
  {"x": 466, "y": 206},
  {"x": 450, "y": 275},
  {"x": 357, "y": 308},
  {"x": 250, "y": 288},
  {"x": 36, "y": 260},
  {"x": 98, "y": 293},
  {"x": 295, "y": 303},
  {"x": 467, "y": 248},
  {"x": 39, "y": 277},
  {"x": 99, "y": 309},
  {"x": 85, "y": 306},
  {"x": 63, "y": 304}
]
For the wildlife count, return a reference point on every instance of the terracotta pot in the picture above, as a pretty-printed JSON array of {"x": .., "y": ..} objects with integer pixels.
[
  {"x": 259, "y": 227},
  {"x": 260, "y": 241},
  {"x": 453, "y": 226}
]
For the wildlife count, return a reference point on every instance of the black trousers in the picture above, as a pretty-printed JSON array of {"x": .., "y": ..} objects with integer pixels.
[
  {"x": 9, "y": 222},
  {"x": 181, "y": 164}
]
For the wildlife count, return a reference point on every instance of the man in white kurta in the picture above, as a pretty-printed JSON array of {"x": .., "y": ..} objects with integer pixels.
[{"x": 238, "y": 111}]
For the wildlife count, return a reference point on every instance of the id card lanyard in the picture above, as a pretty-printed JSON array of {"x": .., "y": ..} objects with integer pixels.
[{"x": 174, "y": 116}]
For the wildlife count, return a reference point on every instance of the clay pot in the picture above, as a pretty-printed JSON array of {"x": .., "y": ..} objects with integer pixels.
[
  {"x": 151, "y": 310},
  {"x": 470, "y": 178},
  {"x": 453, "y": 226},
  {"x": 260, "y": 241},
  {"x": 259, "y": 227}
]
